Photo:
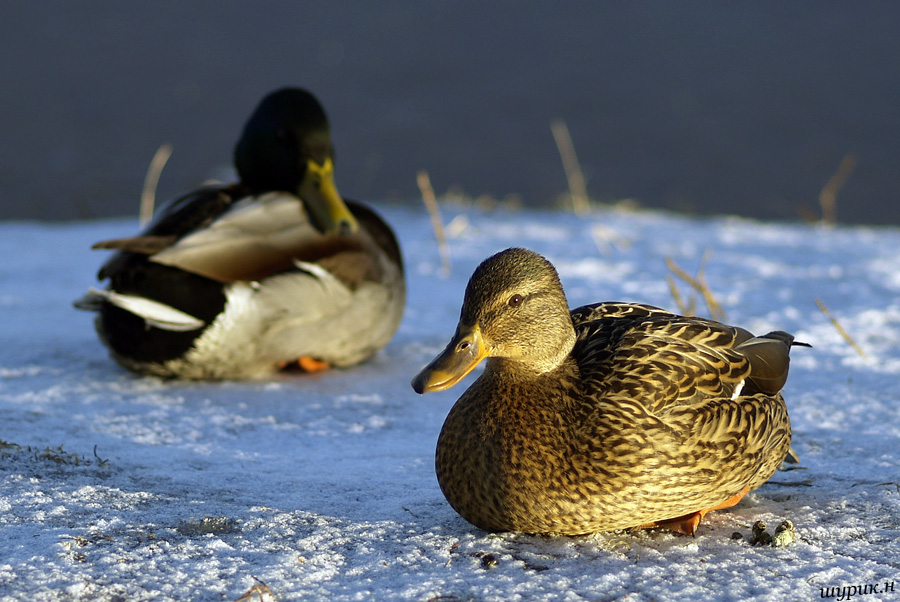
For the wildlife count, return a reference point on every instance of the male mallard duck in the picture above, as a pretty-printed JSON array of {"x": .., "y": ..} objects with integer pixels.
[
  {"x": 610, "y": 416},
  {"x": 239, "y": 280}
]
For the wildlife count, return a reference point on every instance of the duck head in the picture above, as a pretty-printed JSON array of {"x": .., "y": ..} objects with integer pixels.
[
  {"x": 286, "y": 145},
  {"x": 514, "y": 312}
]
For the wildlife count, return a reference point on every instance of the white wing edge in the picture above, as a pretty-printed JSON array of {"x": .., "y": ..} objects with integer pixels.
[{"x": 153, "y": 312}]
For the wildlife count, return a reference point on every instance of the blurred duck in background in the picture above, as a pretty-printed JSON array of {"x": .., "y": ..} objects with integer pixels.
[{"x": 242, "y": 280}]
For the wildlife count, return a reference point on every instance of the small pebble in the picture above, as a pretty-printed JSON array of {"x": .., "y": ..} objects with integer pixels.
[
  {"x": 760, "y": 536},
  {"x": 488, "y": 561},
  {"x": 785, "y": 534}
]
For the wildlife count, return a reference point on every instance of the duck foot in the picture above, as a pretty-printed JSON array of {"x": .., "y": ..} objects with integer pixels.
[
  {"x": 688, "y": 523},
  {"x": 308, "y": 364},
  {"x": 305, "y": 363}
]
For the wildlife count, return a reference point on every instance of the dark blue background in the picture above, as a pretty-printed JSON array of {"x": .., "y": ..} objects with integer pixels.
[{"x": 707, "y": 107}]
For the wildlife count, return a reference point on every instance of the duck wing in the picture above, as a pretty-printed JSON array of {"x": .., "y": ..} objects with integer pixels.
[
  {"x": 180, "y": 217},
  {"x": 666, "y": 361},
  {"x": 226, "y": 235},
  {"x": 262, "y": 236},
  {"x": 706, "y": 394},
  {"x": 255, "y": 238},
  {"x": 380, "y": 232}
]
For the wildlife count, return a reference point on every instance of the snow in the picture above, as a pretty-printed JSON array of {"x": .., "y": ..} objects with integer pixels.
[{"x": 117, "y": 487}]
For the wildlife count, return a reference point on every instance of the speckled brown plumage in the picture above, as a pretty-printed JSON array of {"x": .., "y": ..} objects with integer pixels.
[{"x": 610, "y": 416}]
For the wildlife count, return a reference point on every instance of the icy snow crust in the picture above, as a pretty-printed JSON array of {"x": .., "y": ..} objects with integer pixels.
[{"x": 116, "y": 487}]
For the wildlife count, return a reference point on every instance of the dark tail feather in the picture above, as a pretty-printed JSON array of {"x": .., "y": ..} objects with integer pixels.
[
  {"x": 792, "y": 457},
  {"x": 769, "y": 360}
]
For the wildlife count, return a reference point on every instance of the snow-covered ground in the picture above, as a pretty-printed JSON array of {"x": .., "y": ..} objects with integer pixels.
[{"x": 117, "y": 487}]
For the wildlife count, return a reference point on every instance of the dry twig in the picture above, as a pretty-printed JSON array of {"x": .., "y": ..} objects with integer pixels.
[
  {"x": 437, "y": 223},
  {"x": 577, "y": 187},
  {"x": 148, "y": 193},
  {"x": 840, "y": 329},
  {"x": 687, "y": 310},
  {"x": 259, "y": 589},
  {"x": 698, "y": 284},
  {"x": 605, "y": 239},
  {"x": 828, "y": 195}
]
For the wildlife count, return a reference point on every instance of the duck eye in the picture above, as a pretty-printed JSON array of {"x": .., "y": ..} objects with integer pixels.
[{"x": 515, "y": 301}]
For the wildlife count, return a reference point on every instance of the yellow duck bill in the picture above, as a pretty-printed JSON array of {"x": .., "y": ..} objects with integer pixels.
[
  {"x": 326, "y": 208},
  {"x": 462, "y": 354}
]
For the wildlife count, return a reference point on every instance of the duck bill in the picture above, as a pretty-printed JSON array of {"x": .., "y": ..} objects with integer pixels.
[
  {"x": 462, "y": 354},
  {"x": 327, "y": 210}
]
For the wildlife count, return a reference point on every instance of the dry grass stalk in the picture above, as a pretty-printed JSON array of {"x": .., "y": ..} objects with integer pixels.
[
  {"x": 808, "y": 215},
  {"x": 148, "y": 193},
  {"x": 683, "y": 309},
  {"x": 577, "y": 187},
  {"x": 840, "y": 329},
  {"x": 828, "y": 195},
  {"x": 715, "y": 309},
  {"x": 259, "y": 589},
  {"x": 699, "y": 284},
  {"x": 457, "y": 226},
  {"x": 605, "y": 239},
  {"x": 437, "y": 223}
]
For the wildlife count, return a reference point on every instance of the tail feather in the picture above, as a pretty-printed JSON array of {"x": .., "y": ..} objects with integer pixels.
[
  {"x": 769, "y": 357},
  {"x": 153, "y": 312}
]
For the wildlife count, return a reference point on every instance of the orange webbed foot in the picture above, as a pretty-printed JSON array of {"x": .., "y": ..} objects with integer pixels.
[
  {"x": 688, "y": 523},
  {"x": 305, "y": 363},
  {"x": 309, "y": 364}
]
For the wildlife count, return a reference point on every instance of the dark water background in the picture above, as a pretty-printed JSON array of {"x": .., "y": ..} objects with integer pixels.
[{"x": 706, "y": 107}]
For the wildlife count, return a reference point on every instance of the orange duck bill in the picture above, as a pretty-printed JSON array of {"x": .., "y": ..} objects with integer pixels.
[{"x": 462, "y": 354}]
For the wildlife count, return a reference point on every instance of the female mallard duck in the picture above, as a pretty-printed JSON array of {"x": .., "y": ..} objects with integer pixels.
[
  {"x": 610, "y": 416},
  {"x": 240, "y": 280}
]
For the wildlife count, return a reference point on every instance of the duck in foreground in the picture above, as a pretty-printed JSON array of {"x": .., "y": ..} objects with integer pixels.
[
  {"x": 609, "y": 416},
  {"x": 240, "y": 280}
]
